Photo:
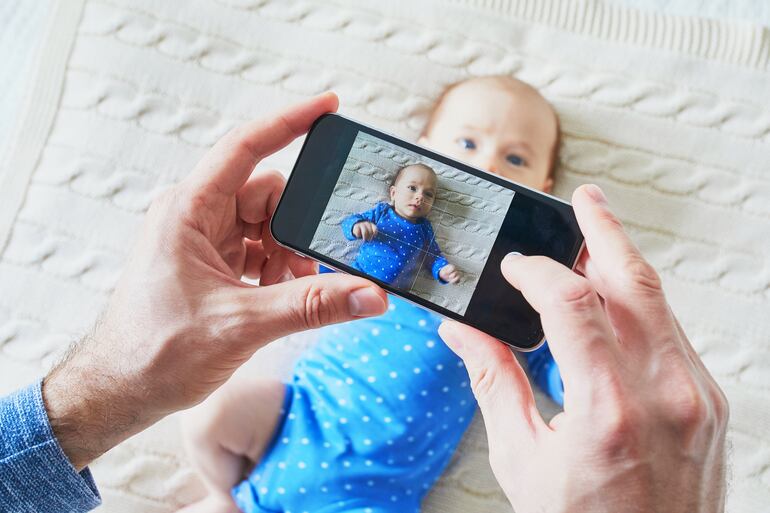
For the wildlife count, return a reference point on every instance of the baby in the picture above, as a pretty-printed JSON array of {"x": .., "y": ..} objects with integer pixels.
[
  {"x": 373, "y": 412},
  {"x": 398, "y": 238}
]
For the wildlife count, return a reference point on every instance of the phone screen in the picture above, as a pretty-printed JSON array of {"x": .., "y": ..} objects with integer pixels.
[{"x": 421, "y": 225}]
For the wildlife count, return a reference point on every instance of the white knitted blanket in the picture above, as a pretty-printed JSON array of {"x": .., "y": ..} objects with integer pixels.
[{"x": 669, "y": 115}]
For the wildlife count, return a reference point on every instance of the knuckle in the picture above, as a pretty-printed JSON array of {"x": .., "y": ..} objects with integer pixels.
[
  {"x": 618, "y": 431},
  {"x": 317, "y": 308},
  {"x": 690, "y": 410},
  {"x": 617, "y": 418},
  {"x": 608, "y": 218},
  {"x": 575, "y": 293},
  {"x": 483, "y": 382},
  {"x": 486, "y": 379},
  {"x": 238, "y": 137},
  {"x": 640, "y": 276}
]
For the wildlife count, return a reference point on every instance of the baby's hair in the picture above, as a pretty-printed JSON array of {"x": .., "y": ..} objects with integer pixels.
[
  {"x": 418, "y": 164},
  {"x": 503, "y": 81}
]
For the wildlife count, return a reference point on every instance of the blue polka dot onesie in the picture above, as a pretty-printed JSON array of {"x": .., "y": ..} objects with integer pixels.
[
  {"x": 371, "y": 417},
  {"x": 399, "y": 249}
]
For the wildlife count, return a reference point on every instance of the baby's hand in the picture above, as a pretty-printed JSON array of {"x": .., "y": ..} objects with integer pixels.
[
  {"x": 449, "y": 274},
  {"x": 365, "y": 230}
]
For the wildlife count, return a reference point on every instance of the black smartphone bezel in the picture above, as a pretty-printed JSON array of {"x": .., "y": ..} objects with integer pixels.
[{"x": 313, "y": 132}]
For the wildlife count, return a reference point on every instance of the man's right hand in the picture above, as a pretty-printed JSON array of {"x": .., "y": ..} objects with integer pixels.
[
  {"x": 365, "y": 230},
  {"x": 180, "y": 320},
  {"x": 643, "y": 427}
]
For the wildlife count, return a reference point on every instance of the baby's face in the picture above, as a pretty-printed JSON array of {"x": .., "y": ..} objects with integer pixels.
[
  {"x": 413, "y": 193},
  {"x": 508, "y": 131}
]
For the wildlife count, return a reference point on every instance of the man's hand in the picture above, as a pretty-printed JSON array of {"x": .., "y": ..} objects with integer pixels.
[
  {"x": 449, "y": 274},
  {"x": 365, "y": 230},
  {"x": 180, "y": 320},
  {"x": 643, "y": 427}
]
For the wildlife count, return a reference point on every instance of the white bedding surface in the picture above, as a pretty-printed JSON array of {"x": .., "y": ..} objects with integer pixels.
[
  {"x": 21, "y": 30},
  {"x": 754, "y": 11},
  {"x": 668, "y": 115}
]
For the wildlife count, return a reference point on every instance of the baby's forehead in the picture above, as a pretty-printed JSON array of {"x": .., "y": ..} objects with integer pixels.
[
  {"x": 417, "y": 172},
  {"x": 490, "y": 89}
]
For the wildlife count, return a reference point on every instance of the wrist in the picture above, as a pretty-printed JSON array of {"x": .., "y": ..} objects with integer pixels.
[
  {"x": 87, "y": 414},
  {"x": 67, "y": 414}
]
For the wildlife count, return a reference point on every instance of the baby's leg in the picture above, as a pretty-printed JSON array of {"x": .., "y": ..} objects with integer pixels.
[{"x": 228, "y": 433}]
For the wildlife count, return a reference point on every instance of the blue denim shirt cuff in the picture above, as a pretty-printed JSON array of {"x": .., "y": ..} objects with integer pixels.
[{"x": 35, "y": 474}]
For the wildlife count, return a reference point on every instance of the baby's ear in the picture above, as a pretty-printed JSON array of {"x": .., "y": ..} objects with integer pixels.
[{"x": 392, "y": 192}]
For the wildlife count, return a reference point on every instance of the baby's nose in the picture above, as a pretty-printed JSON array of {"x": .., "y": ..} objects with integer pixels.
[
  {"x": 491, "y": 165},
  {"x": 486, "y": 162}
]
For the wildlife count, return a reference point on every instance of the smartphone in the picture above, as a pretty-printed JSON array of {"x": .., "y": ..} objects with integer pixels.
[{"x": 421, "y": 225}]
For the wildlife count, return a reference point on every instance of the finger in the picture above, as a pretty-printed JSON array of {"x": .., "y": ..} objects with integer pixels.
[
  {"x": 252, "y": 231},
  {"x": 255, "y": 259},
  {"x": 573, "y": 319},
  {"x": 227, "y": 166},
  {"x": 498, "y": 382},
  {"x": 586, "y": 267},
  {"x": 301, "y": 266},
  {"x": 271, "y": 246},
  {"x": 257, "y": 199},
  {"x": 306, "y": 303},
  {"x": 626, "y": 277},
  {"x": 275, "y": 267}
]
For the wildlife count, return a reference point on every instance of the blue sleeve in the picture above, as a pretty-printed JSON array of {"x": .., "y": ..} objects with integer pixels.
[
  {"x": 434, "y": 255},
  {"x": 373, "y": 216},
  {"x": 35, "y": 474}
]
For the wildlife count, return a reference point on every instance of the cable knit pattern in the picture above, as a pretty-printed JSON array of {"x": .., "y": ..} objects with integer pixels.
[
  {"x": 669, "y": 115},
  {"x": 466, "y": 215}
]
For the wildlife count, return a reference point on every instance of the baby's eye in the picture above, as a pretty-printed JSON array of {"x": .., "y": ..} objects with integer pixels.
[
  {"x": 515, "y": 160},
  {"x": 412, "y": 188},
  {"x": 429, "y": 194},
  {"x": 466, "y": 143}
]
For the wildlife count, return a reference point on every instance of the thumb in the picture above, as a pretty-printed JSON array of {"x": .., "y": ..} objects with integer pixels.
[
  {"x": 306, "y": 303},
  {"x": 498, "y": 381}
]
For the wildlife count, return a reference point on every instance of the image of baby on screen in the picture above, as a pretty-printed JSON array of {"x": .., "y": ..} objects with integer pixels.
[
  {"x": 415, "y": 223},
  {"x": 398, "y": 238}
]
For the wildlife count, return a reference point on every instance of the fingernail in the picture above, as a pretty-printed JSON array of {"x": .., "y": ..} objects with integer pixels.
[
  {"x": 365, "y": 302},
  {"x": 513, "y": 255},
  {"x": 596, "y": 194}
]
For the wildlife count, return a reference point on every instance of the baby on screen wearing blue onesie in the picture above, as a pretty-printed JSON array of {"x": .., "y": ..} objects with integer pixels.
[
  {"x": 373, "y": 412},
  {"x": 398, "y": 238}
]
